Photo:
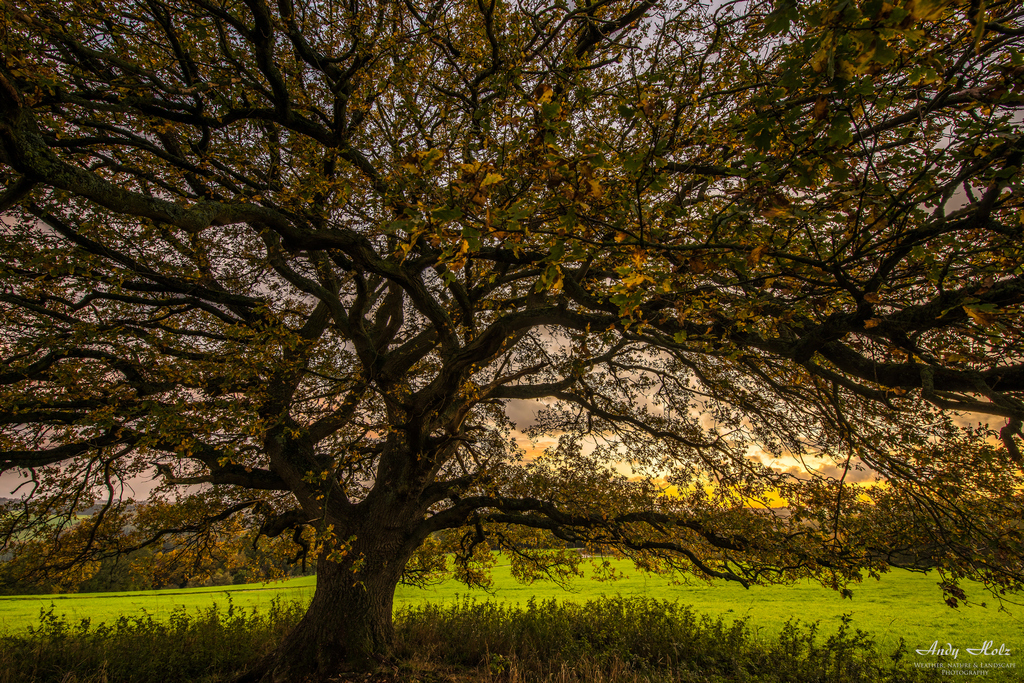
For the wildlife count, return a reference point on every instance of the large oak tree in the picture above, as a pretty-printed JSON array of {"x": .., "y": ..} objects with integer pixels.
[{"x": 300, "y": 257}]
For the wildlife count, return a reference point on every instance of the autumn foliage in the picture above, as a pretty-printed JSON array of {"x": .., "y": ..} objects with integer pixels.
[{"x": 305, "y": 261}]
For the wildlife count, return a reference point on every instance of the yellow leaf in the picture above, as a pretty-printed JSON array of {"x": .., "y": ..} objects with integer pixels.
[
  {"x": 926, "y": 9},
  {"x": 756, "y": 254},
  {"x": 428, "y": 156},
  {"x": 872, "y": 322},
  {"x": 982, "y": 318},
  {"x": 819, "y": 59},
  {"x": 492, "y": 179},
  {"x": 635, "y": 280},
  {"x": 820, "y": 108}
]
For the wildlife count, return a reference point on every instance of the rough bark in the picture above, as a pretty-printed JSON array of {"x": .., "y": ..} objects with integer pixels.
[{"x": 348, "y": 625}]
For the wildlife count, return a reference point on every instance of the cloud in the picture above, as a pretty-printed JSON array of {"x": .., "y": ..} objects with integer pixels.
[
  {"x": 864, "y": 475},
  {"x": 523, "y": 413}
]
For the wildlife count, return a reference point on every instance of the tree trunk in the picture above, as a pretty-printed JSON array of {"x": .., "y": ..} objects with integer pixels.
[{"x": 349, "y": 622}]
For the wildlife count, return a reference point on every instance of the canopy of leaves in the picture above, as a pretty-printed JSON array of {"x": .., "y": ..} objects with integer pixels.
[{"x": 301, "y": 256}]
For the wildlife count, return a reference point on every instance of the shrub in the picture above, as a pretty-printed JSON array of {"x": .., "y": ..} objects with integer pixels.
[
  {"x": 206, "y": 646},
  {"x": 627, "y": 639},
  {"x": 612, "y": 640}
]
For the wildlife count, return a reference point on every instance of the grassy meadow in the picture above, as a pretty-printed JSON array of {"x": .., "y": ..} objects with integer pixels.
[{"x": 903, "y": 605}]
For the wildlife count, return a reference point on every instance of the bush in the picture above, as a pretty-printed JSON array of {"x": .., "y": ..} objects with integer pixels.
[
  {"x": 208, "y": 646},
  {"x": 614, "y": 640},
  {"x": 635, "y": 639}
]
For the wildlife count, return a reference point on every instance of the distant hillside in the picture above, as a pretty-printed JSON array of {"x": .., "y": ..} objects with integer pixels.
[{"x": 84, "y": 513}]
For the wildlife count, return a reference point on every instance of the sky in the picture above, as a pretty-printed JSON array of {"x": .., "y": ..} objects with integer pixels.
[{"x": 523, "y": 414}]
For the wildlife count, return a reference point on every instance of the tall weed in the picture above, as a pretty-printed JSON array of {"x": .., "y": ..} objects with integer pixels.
[
  {"x": 205, "y": 646},
  {"x": 612, "y": 640},
  {"x": 635, "y": 639}
]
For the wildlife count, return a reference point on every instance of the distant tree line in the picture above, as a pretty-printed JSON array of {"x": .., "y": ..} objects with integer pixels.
[{"x": 229, "y": 559}]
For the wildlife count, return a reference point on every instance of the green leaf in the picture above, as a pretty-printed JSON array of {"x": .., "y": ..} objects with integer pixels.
[
  {"x": 839, "y": 132},
  {"x": 633, "y": 163},
  {"x": 447, "y": 214},
  {"x": 762, "y": 134},
  {"x": 472, "y": 236},
  {"x": 556, "y": 251},
  {"x": 780, "y": 18}
]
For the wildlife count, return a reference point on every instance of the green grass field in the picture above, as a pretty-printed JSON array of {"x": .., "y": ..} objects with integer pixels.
[{"x": 901, "y": 605}]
